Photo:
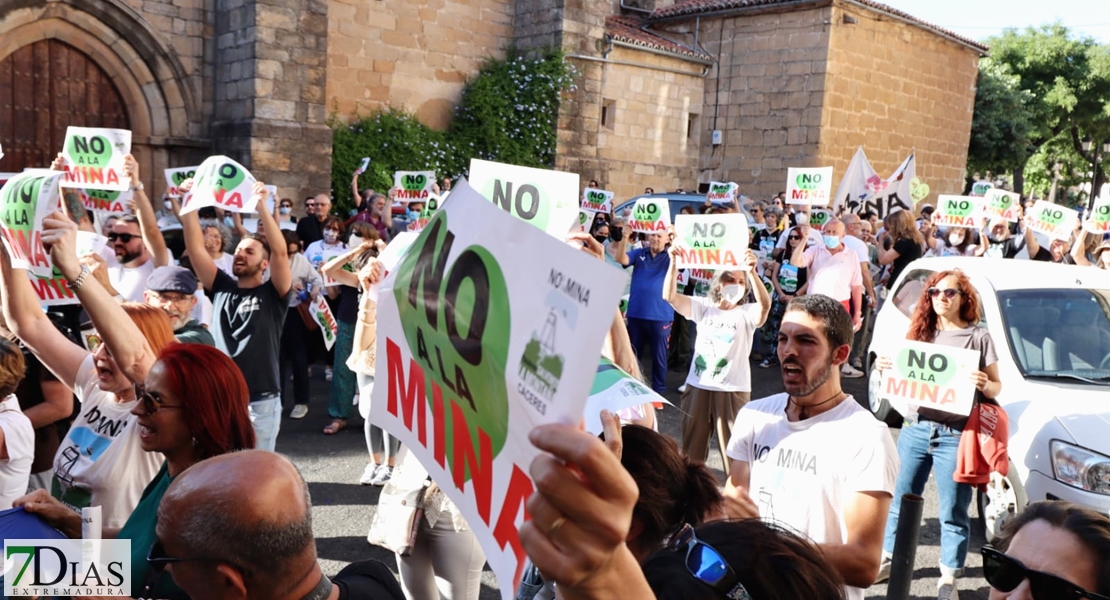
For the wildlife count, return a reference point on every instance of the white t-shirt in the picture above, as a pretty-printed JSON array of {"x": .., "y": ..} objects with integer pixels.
[
  {"x": 721, "y": 350},
  {"x": 833, "y": 275},
  {"x": 130, "y": 282},
  {"x": 319, "y": 253},
  {"x": 224, "y": 263},
  {"x": 857, "y": 246},
  {"x": 19, "y": 438},
  {"x": 803, "y": 473},
  {"x": 100, "y": 461}
]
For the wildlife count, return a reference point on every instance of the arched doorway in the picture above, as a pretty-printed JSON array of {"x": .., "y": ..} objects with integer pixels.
[{"x": 45, "y": 87}]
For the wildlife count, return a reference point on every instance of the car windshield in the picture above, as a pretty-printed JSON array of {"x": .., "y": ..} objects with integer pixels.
[{"x": 1063, "y": 333}]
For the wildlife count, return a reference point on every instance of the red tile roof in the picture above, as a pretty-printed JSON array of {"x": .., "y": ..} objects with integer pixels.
[
  {"x": 693, "y": 8},
  {"x": 628, "y": 29}
]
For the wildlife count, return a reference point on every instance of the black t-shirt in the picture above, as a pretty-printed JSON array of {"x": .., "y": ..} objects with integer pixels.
[
  {"x": 346, "y": 305},
  {"x": 908, "y": 251},
  {"x": 1007, "y": 248},
  {"x": 310, "y": 229},
  {"x": 247, "y": 324},
  {"x": 367, "y": 580},
  {"x": 1044, "y": 255}
]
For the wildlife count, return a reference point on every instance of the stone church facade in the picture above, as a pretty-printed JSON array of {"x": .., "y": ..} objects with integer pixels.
[{"x": 784, "y": 83}]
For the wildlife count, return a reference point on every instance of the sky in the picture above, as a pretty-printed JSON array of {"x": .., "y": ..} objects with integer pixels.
[{"x": 980, "y": 19}]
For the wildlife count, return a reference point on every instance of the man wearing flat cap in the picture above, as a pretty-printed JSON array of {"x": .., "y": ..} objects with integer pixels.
[{"x": 173, "y": 289}]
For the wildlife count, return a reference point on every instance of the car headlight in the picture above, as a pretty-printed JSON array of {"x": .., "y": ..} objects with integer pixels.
[{"x": 1081, "y": 468}]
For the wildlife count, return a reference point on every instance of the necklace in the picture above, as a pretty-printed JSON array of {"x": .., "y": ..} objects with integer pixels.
[{"x": 802, "y": 414}]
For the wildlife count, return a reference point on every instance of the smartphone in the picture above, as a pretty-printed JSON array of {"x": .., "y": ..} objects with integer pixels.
[{"x": 616, "y": 233}]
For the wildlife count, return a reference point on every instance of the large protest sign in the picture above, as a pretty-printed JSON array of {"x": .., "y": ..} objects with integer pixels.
[
  {"x": 650, "y": 215},
  {"x": 106, "y": 201},
  {"x": 812, "y": 186},
  {"x": 932, "y": 376},
  {"x": 485, "y": 330},
  {"x": 862, "y": 189},
  {"x": 1000, "y": 204},
  {"x": 321, "y": 313},
  {"x": 390, "y": 257},
  {"x": 597, "y": 201},
  {"x": 1055, "y": 221},
  {"x": 94, "y": 158},
  {"x": 615, "y": 390},
  {"x": 711, "y": 241},
  {"x": 957, "y": 211},
  {"x": 223, "y": 183},
  {"x": 721, "y": 192},
  {"x": 426, "y": 213},
  {"x": 175, "y": 177},
  {"x": 546, "y": 199},
  {"x": 25, "y": 201},
  {"x": 818, "y": 218},
  {"x": 413, "y": 186},
  {"x": 1099, "y": 221}
]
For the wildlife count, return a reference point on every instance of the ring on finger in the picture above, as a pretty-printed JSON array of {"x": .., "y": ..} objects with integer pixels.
[{"x": 556, "y": 525}]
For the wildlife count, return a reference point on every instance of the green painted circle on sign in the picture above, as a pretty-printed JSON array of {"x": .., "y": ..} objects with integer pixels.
[
  {"x": 414, "y": 182},
  {"x": 917, "y": 365},
  {"x": 93, "y": 151}
]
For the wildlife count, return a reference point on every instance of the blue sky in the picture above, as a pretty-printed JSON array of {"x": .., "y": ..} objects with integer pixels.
[{"x": 979, "y": 19}]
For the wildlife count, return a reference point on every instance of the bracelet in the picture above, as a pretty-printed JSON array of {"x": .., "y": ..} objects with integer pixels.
[{"x": 77, "y": 283}]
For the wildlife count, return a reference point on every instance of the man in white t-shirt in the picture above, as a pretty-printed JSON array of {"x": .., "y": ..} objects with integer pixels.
[
  {"x": 17, "y": 436},
  {"x": 834, "y": 271},
  {"x": 813, "y": 459}
]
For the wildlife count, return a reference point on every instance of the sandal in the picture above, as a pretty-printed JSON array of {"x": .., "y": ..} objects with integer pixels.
[{"x": 336, "y": 426}]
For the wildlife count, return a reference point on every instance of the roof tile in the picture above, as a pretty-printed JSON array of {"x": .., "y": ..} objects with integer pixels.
[{"x": 628, "y": 29}]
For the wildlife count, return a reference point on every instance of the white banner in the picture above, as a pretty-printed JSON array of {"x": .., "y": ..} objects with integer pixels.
[
  {"x": 413, "y": 186},
  {"x": 862, "y": 189},
  {"x": 597, "y": 201},
  {"x": 223, "y": 183},
  {"x": 546, "y": 199},
  {"x": 721, "y": 192}
]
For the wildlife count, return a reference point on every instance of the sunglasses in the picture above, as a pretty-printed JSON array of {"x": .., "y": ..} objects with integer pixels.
[
  {"x": 158, "y": 559},
  {"x": 1004, "y": 573},
  {"x": 152, "y": 401},
  {"x": 707, "y": 565},
  {"x": 949, "y": 293},
  {"x": 793, "y": 238},
  {"x": 123, "y": 237}
]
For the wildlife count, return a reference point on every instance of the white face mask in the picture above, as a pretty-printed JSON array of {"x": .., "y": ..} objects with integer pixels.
[
  {"x": 732, "y": 293},
  {"x": 955, "y": 239},
  {"x": 354, "y": 241},
  {"x": 286, "y": 210},
  {"x": 330, "y": 237}
]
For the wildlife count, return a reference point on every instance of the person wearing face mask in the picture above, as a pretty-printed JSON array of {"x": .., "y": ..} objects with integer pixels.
[
  {"x": 834, "y": 271},
  {"x": 996, "y": 241},
  {"x": 283, "y": 214},
  {"x": 956, "y": 241},
  {"x": 330, "y": 245},
  {"x": 719, "y": 382}
]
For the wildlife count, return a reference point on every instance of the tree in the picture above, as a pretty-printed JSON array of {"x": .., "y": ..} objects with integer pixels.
[{"x": 1002, "y": 127}]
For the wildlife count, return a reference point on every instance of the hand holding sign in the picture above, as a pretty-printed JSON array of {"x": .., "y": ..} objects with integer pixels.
[
  {"x": 59, "y": 238},
  {"x": 1055, "y": 221},
  {"x": 95, "y": 156},
  {"x": 25, "y": 201}
]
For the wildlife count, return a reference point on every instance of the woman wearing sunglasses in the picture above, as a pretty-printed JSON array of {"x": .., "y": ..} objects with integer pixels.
[
  {"x": 1051, "y": 551},
  {"x": 947, "y": 313}
]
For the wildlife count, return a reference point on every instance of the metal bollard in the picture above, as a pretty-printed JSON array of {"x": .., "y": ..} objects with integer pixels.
[{"x": 905, "y": 547}]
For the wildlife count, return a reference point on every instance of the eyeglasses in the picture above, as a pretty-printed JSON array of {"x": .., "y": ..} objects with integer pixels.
[
  {"x": 174, "y": 298},
  {"x": 1005, "y": 573},
  {"x": 157, "y": 559},
  {"x": 707, "y": 565},
  {"x": 123, "y": 237},
  {"x": 152, "y": 401},
  {"x": 793, "y": 238},
  {"x": 949, "y": 293}
]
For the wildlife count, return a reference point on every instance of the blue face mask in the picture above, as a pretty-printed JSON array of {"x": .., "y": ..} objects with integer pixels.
[
  {"x": 413, "y": 215},
  {"x": 831, "y": 241}
]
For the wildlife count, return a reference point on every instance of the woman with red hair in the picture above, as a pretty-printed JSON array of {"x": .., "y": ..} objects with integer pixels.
[{"x": 947, "y": 313}]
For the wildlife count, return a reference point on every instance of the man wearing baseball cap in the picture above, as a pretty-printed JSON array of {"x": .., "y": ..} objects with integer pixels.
[{"x": 173, "y": 289}]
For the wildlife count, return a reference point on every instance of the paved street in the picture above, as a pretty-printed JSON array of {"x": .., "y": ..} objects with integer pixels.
[{"x": 342, "y": 508}]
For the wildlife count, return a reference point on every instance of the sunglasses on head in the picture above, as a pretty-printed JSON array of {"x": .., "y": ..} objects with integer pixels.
[
  {"x": 123, "y": 237},
  {"x": 1005, "y": 573},
  {"x": 949, "y": 293},
  {"x": 707, "y": 565}
]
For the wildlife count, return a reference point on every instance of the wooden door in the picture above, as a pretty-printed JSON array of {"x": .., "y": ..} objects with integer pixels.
[{"x": 44, "y": 88}]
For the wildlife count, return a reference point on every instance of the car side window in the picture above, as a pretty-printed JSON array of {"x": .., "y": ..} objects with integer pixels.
[{"x": 908, "y": 294}]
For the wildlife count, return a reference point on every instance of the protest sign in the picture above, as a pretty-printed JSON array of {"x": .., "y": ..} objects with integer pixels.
[
  {"x": 223, "y": 183},
  {"x": 932, "y": 376},
  {"x": 413, "y": 186},
  {"x": 362, "y": 166},
  {"x": 321, "y": 313},
  {"x": 485, "y": 330},
  {"x": 919, "y": 190},
  {"x": 106, "y": 201},
  {"x": 90, "y": 242},
  {"x": 597, "y": 201},
  {"x": 1000, "y": 204},
  {"x": 94, "y": 158},
  {"x": 271, "y": 197},
  {"x": 721, "y": 192},
  {"x": 174, "y": 178},
  {"x": 25, "y": 201},
  {"x": 957, "y": 211},
  {"x": 818, "y": 218},
  {"x": 862, "y": 189},
  {"x": 1099, "y": 220},
  {"x": 980, "y": 188},
  {"x": 711, "y": 241},
  {"x": 585, "y": 220},
  {"x": 392, "y": 255},
  {"x": 615, "y": 390},
  {"x": 1, "y": 152},
  {"x": 811, "y": 186},
  {"x": 543, "y": 198},
  {"x": 426, "y": 213},
  {"x": 52, "y": 289},
  {"x": 1055, "y": 221},
  {"x": 650, "y": 215}
]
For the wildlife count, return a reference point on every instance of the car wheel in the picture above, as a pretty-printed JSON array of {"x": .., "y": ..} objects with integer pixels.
[
  {"x": 876, "y": 405},
  {"x": 1003, "y": 500}
]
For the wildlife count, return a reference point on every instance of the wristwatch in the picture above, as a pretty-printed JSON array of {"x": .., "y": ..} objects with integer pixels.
[
  {"x": 76, "y": 283},
  {"x": 137, "y": 186}
]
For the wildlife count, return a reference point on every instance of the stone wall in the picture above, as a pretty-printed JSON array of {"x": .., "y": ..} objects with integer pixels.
[
  {"x": 411, "y": 55},
  {"x": 893, "y": 87}
]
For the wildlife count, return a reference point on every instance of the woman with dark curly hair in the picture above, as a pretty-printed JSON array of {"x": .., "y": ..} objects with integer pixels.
[{"x": 947, "y": 313}]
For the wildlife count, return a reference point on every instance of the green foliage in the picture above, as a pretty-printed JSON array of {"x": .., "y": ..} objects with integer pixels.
[
  {"x": 508, "y": 114},
  {"x": 1002, "y": 127}
]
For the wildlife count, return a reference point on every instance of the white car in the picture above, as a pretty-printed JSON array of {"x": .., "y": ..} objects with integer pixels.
[{"x": 1050, "y": 325}]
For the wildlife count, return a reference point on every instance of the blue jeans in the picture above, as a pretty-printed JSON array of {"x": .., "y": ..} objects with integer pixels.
[
  {"x": 655, "y": 334},
  {"x": 265, "y": 414},
  {"x": 922, "y": 447}
]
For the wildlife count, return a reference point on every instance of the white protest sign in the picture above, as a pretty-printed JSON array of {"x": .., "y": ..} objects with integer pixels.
[
  {"x": 546, "y": 199},
  {"x": 818, "y": 217},
  {"x": 1055, "y": 221},
  {"x": 175, "y": 177},
  {"x": 1099, "y": 220},
  {"x": 90, "y": 242},
  {"x": 271, "y": 197},
  {"x": 487, "y": 329},
  {"x": 721, "y": 192},
  {"x": 106, "y": 201},
  {"x": 650, "y": 215},
  {"x": 413, "y": 186},
  {"x": 615, "y": 390},
  {"x": 811, "y": 186},
  {"x": 362, "y": 166},
  {"x": 958, "y": 211},
  {"x": 1000, "y": 204},
  {"x": 223, "y": 183},
  {"x": 1, "y": 152},
  {"x": 597, "y": 201},
  {"x": 931, "y": 375},
  {"x": 426, "y": 213},
  {"x": 980, "y": 188},
  {"x": 25, "y": 201},
  {"x": 321, "y": 313},
  {"x": 94, "y": 158},
  {"x": 585, "y": 220},
  {"x": 392, "y": 255},
  {"x": 711, "y": 241}
]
